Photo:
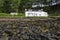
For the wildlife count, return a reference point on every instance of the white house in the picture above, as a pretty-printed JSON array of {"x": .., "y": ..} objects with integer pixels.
[{"x": 31, "y": 13}]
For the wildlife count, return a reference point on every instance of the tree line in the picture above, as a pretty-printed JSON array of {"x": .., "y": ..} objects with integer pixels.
[{"x": 7, "y": 6}]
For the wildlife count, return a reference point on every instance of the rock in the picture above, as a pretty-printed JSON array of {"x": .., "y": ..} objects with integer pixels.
[{"x": 30, "y": 30}]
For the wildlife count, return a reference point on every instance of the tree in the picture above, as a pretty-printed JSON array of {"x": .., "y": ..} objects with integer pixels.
[
  {"x": 24, "y": 4},
  {"x": 7, "y": 6},
  {"x": 1, "y": 5},
  {"x": 15, "y": 4}
]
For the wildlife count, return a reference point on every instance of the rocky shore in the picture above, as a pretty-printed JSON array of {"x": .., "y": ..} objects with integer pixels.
[{"x": 30, "y": 29}]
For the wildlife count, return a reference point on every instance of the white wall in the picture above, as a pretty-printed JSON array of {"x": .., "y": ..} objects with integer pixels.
[{"x": 36, "y": 13}]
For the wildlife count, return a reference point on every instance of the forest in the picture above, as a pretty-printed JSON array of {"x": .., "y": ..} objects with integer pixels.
[{"x": 19, "y": 6}]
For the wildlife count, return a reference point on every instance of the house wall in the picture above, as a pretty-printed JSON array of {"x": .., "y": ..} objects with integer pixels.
[{"x": 36, "y": 13}]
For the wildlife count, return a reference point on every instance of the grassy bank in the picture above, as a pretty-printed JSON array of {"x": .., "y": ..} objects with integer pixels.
[
  {"x": 9, "y": 15},
  {"x": 4, "y": 15}
]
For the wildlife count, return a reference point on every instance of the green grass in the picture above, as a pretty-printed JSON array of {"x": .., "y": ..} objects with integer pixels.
[
  {"x": 54, "y": 14},
  {"x": 23, "y": 15},
  {"x": 9, "y": 15}
]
